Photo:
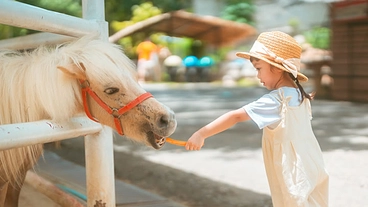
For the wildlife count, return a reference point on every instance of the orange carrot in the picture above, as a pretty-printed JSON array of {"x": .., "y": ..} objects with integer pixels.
[{"x": 175, "y": 142}]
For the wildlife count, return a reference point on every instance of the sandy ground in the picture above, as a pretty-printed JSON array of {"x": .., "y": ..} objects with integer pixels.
[
  {"x": 229, "y": 170},
  {"x": 30, "y": 197}
]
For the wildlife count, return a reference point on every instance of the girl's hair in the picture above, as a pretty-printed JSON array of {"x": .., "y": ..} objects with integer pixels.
[{"x": 304, "y": 94}]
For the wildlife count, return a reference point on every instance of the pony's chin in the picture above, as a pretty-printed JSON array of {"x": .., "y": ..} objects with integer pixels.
[{"x": 156, "y": 141}]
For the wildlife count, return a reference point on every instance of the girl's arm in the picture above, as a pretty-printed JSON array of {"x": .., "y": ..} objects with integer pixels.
[{"x": 225, "y": 121}]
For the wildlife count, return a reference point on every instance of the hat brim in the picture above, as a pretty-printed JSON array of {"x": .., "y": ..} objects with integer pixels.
[{"x": 301, "y": 77}]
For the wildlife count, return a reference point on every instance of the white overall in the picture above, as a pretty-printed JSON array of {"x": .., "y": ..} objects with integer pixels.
[{"x": 293, "y": 159}]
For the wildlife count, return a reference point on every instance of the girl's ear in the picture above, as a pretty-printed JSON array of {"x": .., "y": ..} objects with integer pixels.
[
  {"x": 74, "y": 71},
  {"x": 275, "y": 69}
]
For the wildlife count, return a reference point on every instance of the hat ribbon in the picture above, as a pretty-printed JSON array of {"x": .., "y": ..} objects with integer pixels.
[{"x": 291, "y": 64}]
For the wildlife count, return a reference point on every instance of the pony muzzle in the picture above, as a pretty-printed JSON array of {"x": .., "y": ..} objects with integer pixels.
[{"x": 114, "y": 112}]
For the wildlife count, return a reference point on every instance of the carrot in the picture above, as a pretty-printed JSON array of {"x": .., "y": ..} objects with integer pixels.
[{"x": 175, "y": 142}]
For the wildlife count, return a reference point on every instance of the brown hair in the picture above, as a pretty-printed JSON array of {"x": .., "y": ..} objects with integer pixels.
[{"x": 304, "y": 94}]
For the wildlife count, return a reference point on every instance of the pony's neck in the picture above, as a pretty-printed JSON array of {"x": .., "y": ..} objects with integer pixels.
[{"x": 59, "y": 95}]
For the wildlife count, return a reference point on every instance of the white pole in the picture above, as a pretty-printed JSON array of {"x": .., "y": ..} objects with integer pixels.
[
  {"x": 44, "y": 131},
  {"x": 33, "y": 40},
  {"x": 26, "y": 16},
  {"x": 100, "y": 177},
  {"x": 99, "y": 147}
]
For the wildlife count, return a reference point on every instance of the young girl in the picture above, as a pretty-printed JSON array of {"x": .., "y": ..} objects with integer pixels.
[{"x": 292, "y": 155}]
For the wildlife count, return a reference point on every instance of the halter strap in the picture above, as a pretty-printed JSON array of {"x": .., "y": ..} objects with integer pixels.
[{"x": 116, "y": 113}]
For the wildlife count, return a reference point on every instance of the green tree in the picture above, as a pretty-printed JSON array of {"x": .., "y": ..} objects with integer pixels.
[
  {"x": 318, "y": 37},
  {"x": 139, "y": 13},
  {"x": 239, "y": 11},
  {"x": 121, "y": 10}
]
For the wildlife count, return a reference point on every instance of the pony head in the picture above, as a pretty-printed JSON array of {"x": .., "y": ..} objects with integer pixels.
[{"x": 112, "y": 95}]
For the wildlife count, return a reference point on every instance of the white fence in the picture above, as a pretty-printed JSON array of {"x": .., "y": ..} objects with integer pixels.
[{"x": 57, "y": 27}]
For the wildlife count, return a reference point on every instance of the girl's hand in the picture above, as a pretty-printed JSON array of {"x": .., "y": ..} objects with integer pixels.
[{"x": 195, "y": 142}]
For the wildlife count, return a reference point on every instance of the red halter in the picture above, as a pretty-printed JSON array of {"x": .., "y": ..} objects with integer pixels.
[{"x": 116, "y": 113}]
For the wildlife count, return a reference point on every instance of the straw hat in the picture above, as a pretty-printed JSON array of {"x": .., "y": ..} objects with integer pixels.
[{"x": 278, "y": 49}]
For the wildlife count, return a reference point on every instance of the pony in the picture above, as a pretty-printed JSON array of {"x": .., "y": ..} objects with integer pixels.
[{"x": 86, "y": 76}]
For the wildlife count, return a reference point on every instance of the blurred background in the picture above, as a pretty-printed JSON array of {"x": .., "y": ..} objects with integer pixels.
[{"x": 196, "y": 41}]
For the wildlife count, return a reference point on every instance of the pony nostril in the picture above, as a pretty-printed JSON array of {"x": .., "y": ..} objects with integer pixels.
[{"x": 164, "y": 121}]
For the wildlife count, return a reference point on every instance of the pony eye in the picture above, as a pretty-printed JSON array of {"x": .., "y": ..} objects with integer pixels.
[{"x": 111, "y": 91}]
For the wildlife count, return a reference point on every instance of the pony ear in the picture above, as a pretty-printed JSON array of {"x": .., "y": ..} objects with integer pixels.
[{"x": 74, "y": 71}]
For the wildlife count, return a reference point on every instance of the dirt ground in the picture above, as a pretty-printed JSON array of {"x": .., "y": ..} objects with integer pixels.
[{"x": 30, "y": 197}]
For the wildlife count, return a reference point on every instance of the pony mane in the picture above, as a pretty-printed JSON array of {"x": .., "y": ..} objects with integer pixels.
[
  {"x": 99, "y": 58},
  {"x": 32, "y": 88}
]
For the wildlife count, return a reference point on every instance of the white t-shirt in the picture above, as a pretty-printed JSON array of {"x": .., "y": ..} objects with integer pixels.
[{"x": 266, "y": 110}]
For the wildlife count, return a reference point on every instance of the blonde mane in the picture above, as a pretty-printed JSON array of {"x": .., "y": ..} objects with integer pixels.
[{"x": 32, "y": 88}]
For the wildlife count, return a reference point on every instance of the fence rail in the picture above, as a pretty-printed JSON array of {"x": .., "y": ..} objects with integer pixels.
[
  {"x": 26, "y": 16},
  {"x": 33, "y": 40},
  {"x": 30, "y": 133}
]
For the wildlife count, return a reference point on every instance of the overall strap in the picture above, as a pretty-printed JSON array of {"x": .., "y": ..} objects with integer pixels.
[{"x": 284, "y": 101}]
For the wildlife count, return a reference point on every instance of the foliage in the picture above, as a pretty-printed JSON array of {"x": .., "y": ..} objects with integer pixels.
[
  {"x": 144, "y": 11},
  {"x": 239, "y": 11},
  {"x": 170, "y": 5},
  {"x": 294, "y": 24},
  {"x": 140, "y": 13},
  {"x": 121, "y": 10},
  {"x": 71, "y": 7},
  {"x": 9, "y": 32},
  {"x": 318, "y": 37}
]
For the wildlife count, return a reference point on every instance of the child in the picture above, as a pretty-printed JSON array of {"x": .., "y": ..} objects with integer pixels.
[{"x": 292, "y": 155}]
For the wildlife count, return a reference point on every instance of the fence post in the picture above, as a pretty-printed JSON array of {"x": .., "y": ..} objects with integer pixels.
[
  {"x": 99, "y": 152},
  {"x": 100, "y": 178}
]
